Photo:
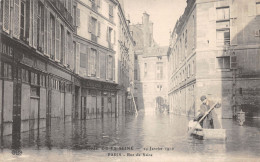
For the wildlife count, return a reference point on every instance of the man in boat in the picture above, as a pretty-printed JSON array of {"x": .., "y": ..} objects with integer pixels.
[{"x": 211, "y": 120}]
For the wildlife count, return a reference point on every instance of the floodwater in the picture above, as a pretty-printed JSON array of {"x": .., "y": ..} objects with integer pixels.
[{"x": 153, "y": 137}]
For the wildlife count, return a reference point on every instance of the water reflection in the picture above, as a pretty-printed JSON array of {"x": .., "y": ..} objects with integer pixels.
[{"x": 143, "y": 131}]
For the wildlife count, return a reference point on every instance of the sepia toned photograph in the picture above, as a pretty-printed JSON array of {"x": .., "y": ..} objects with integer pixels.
[{"x": 129, "y": 80}]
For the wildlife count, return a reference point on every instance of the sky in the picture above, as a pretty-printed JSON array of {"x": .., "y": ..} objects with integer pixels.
[{"x": 163, "y": 14}]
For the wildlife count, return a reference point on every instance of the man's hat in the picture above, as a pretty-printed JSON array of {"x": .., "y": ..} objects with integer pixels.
[{"x": 202, "y": 98}]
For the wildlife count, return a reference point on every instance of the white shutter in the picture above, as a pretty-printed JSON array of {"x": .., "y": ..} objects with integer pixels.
[
  {"x": 114, "y": 37},
  {"x": 77, "y": 57},
  {"x": 77, "y": 17},
  {"x": 45, "y": 30},
  {"x": 57, "y": 52},
  {"x": 113, "y": 69},
  {"x": 89, "y": 24},
  {"x": 31, "y": 24},
  {"x": 35, "y": 13},
  {"x": 89, "y": 61},
  {"x": 16, "y": 19},
  {"x": 98, "y": 64},
  {"x": 48, "y": 33},
  {"x": 106, "y": 67},
  {"x": 65, "y": 53},
  {"x": 98, "y": 34},
  {"x": 6, "y": 16}
]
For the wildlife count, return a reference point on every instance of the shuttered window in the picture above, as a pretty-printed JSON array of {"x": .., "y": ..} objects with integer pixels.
[
  {"x": 52, "y": 36},
  {"x": 62, "y": 45},
  {"x": 57, "y": 54},
  {"x": 40, "y": 27},
  {"x": 16, "y": 19},
  {"x": 22, "y": 20},
  {"x": 78, "y": 17},
  {"x": 35, "y": 18},
  {"x": 6, "y": 16},
  {"x": 98, "y": 65}
]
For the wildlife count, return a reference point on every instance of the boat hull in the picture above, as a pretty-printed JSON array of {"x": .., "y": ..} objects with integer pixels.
[{"x": 210, "y": 133}]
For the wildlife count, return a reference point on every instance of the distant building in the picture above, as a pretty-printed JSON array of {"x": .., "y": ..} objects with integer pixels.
[
  {"x": 214, "y": 51},
  {"x": 151, "y": 85}
]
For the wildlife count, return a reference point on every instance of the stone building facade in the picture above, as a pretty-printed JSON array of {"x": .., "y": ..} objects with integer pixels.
[
  {"x": 214, "y": 51},
  {"x": 151, "y": 85},
  {"x": 37, "y": 64},
  {"x": 59, "y": 62}
]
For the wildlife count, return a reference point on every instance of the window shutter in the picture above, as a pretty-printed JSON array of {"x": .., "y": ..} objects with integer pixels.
[
  {"x": 98, "y": 65},
  {"x": 49, "y": 33},
  {"x": 89, "y": 24},
  {"x": 113, "y": 72},
  {"x": 77, "y": 58},
  {"x": 98, "y": 34},
  {"x": 71, "y": 52},
  {"x": 45, "y": 31},
  {"x": 107, "y": 34},
  {"x": 65, "y": 53},
  {"x": 16, "y": 19},
  {"x": 114, "y": 36},
  {"x": 106, "y": 58},
  {"x": 35, "y": 13},
  {"x": 57, "y": 53},
  {"x": 78, "y": 17},
  {"x": 88, "y": 61},
  {"x": 6, "y": 16},
  {"x": 233, "y": 62},
  {"x": 27, "y": 21},
  {"x": 31, "y": 24}
]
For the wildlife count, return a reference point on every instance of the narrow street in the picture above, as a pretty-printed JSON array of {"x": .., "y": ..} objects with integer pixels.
[{"x": 155, "y": 135}]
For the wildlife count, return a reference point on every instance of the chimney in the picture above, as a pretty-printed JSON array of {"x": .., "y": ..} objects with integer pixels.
[{"x": 145, "y": 18}]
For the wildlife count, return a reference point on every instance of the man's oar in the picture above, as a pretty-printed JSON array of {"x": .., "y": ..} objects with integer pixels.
[{"x": 191, "y": 130}]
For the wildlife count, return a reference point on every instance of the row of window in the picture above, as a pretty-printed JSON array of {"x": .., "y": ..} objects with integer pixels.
[
  {"x": 95, "y": 4},
  {"x": 60, "y": 85},
  {"x": 184, "y": 74},
  {"x": 94, "y": 28},
  {"x": 37, "y": 26},
  {"x": 96, "y": 63},
  {"x": 159, "y": 70},
  {"x": 26, "y": 76}
]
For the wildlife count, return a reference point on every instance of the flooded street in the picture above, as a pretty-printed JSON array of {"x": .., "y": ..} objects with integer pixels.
[{"x": 152, "y": 136}]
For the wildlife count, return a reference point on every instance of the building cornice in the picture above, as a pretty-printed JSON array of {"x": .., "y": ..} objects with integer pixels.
[{"x": 93, "y": 43}]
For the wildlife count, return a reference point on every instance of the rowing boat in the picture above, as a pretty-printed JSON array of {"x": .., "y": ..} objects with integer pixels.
[{"x": 203, "y": 133}]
